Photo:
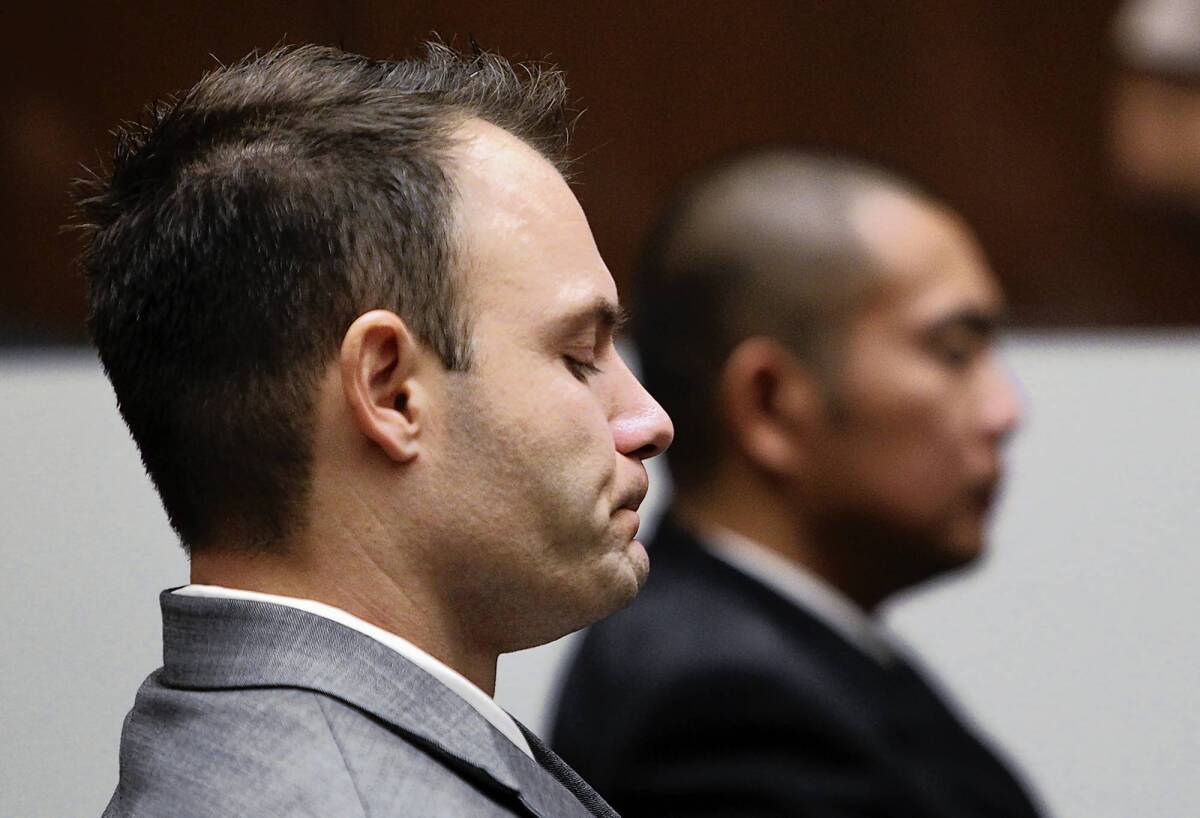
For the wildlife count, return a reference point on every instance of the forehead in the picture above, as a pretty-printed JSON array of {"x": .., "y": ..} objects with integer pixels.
[
  {"x": 526, "y": 245},
  {"x": 928, "y": 262}
]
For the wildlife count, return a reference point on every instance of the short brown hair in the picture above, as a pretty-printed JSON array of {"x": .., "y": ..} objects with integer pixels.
[{"x": 248, "y": 223}]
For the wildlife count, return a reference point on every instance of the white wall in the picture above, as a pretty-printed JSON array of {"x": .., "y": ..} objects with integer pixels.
[
  {"x": 1078, "y": 641},
  {"x": 83, "y": 547},
  {"x": 1075, "y": 644}
]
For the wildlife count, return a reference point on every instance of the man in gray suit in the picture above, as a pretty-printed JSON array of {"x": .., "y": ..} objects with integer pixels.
[{"x": 359, "y": 329}]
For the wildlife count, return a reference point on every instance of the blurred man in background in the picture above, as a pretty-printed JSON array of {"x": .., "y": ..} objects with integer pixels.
[
  {"x": 822, "y": 335},
  {"x": 1155, "y": 111},
  {"x": 359, "y": 329}
]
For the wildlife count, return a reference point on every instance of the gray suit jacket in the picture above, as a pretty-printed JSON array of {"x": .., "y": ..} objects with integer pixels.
[{"x": 265, "y": 710}]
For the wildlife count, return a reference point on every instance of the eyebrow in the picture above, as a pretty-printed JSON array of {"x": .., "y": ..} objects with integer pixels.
[
  {"x": 603, "y": 313},
  {"x": 613, "y": 317},
  {"x": 974, "y": 319}
]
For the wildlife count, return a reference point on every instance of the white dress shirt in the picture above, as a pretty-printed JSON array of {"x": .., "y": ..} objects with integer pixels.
[
  {"x": 801, "y": 587},
  {"x": 448, "y": 676}
]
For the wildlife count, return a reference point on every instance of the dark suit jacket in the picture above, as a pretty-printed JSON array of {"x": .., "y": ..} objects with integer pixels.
[
  {"x": 265, "y": 710},
  {"x": 712, "y": 695}
]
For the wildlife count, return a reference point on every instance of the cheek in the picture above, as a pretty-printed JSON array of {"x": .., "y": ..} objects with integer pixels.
[
  {"x": 925, "y": 451},
  {"x": 566, "y": 445},
  {"x": 587, "y": 455},
  {"x": 907, "y": 458},
  {"x": 543, "y": 439},
  {"x": 540, "y": 409}
]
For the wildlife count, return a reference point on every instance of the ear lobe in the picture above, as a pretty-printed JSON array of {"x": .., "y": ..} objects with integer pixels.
[
  {"x": 378, "y": 362},
  {"x": 768, "y": 401}
]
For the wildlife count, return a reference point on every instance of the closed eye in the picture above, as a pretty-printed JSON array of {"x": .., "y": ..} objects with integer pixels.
[
  {"x": 957, "y": 349},
  {"x": 581, "y": 370},
  {"x": 959, "y": 339}
]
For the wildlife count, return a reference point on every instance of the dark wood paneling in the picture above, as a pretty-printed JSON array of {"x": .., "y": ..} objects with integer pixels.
[{"x": 997, "y": 106}]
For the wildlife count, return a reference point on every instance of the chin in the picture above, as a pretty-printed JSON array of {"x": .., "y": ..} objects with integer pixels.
[
  {"x": 960, "y": 552},
  {"x": 623, "y": 588},
  {"x": 606, "y": 592},
  {"x": 639, "y": 563},
  {"x": 624, "y": 580}
]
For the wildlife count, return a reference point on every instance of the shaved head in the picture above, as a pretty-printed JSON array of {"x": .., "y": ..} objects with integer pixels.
[{"x": 776, "y": 243}]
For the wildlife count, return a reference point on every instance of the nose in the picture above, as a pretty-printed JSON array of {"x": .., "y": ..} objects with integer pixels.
[
  {"x": 640, "y": 427},
  {"x": 1004, "y": 406}
]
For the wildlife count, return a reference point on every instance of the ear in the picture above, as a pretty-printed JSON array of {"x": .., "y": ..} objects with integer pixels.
[
  {"x": 770, "y": 404},
  {"x": 379, "y": 361}
]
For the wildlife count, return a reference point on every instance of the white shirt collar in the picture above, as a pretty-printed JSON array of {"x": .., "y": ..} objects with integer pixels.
[
  {"x": 801, "y": 587},
  {"x": 445, "y": 674}
]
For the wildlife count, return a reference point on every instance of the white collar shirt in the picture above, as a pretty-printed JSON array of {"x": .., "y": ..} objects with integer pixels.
[{"x": 802, "y": 588}]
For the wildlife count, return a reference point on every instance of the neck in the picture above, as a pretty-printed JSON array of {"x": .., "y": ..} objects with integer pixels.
[
  {"x": 350, "y": 579},
  {"x": 756, "y": 508}
]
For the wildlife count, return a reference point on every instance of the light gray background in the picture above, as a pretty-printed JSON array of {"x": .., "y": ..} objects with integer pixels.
[{"x": 1074, "y": 644}]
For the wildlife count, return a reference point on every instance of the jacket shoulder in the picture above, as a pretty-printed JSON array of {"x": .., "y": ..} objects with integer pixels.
[
  {"x": 229, "y": 752},
  {"x": 274, "y": 751}
]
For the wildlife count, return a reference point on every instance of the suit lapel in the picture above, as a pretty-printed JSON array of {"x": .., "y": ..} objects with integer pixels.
[
  {"x": 227, "y": 643},
  {"x": 567, "y": 777},
  {"x": 892, "y": 706},
  {"x": 854, "y": 682}
]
